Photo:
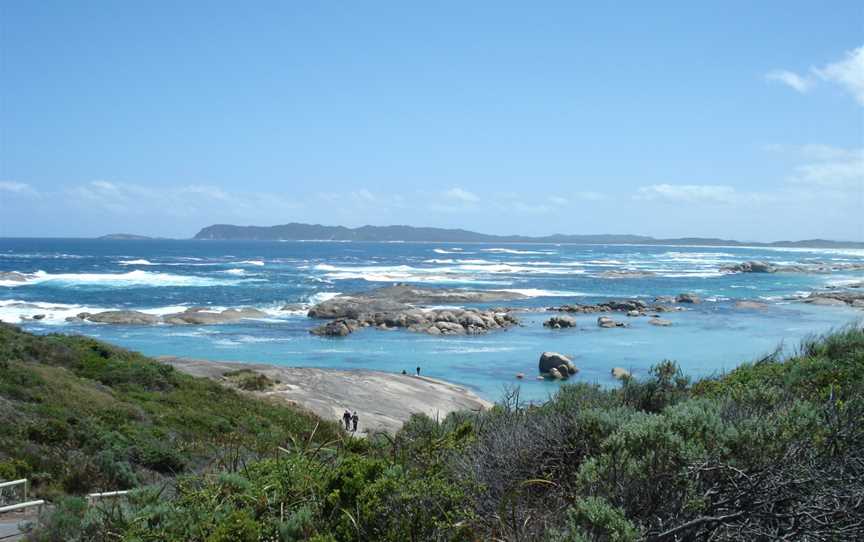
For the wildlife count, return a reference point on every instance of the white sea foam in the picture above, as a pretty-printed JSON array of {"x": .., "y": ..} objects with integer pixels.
[
  {"x": 235, "y": 272},
  {"x": 132, "y": 278},
  {"x": 467, "y": 273},
  {"x": 14, "y": 310},
  {"x": 514, "y": 251},
  {"x": 321, "y": 297},
  {"x": 605, "y": 262},
  {"x": 691, "y": 274},
  {"x": 258, "y": 263},
  {"x": 536, "y": 292},
  {"x": 136, "y": 262},
  {"x": 452, "y": 261},
  {"x": 445, "y": 251}
]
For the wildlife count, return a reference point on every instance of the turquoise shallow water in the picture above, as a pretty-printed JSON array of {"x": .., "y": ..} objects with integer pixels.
[{"x": 70, "y": 276}]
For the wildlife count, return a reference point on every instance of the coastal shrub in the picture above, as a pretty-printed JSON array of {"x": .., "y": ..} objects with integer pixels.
[
  {"x": 84, "y": 415},
  {"x": 249, "y": 380},
  {"x": 594, "y": 520},
  {"x": 666, "y": 385},
  {"x": 771, "y": 450}
]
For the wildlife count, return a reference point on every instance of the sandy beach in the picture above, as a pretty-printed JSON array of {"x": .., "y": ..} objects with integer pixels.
[{"x": 383, "y": 401}]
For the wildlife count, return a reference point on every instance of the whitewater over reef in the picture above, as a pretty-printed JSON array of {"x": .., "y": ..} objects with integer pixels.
[{"x": 248, "y": 301}]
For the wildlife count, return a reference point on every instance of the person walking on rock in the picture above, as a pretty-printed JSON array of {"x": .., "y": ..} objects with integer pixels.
[
  {"x": 354, "y": 420},
  {"x": 346, "y": 419}
]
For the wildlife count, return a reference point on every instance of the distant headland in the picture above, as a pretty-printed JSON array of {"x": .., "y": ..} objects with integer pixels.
[
  {"x": 317, "y": 232},
  {"x": 124, "y": 237}
]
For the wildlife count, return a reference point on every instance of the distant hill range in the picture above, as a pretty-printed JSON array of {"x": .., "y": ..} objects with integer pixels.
[
  {"x": 124, "y": 237},
  {"x": 317, "y": 232}
]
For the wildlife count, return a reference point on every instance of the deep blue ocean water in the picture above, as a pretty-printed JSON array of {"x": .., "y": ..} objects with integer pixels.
[{"x": 74, "y": 275}]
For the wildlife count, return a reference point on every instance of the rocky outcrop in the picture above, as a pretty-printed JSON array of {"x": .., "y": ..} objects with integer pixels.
[
  {"x": 191, "y": 316},
  {"x": 120, "y": 317},
  {"x": 625, "y": 305},
  {"x": 660, "y": 322},
  {"x": 396, "y": 298},
  {"x": 810, "y": 267},
  {"x": 555, "y": 365},
  {"x": 620, "y": 373},
  {"x": 336, "y": 328},
  {"x": 605, "y": 321},
  {"x": 836, "y": 298},
  {"x": 751, "y": 267},
  {"x": 399, "y": 307},
  {"x": 688, "y": 298},
  {"x": 560, "y": 322},
  {"x": 751, "y": 305},
  {"x": 431, "y": 321},
  {"x": 15, "y": 276},
  {"x": 201, "y": 316}
]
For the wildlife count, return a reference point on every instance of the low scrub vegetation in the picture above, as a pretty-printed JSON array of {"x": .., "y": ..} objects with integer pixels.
[{"x": 774, "y": 449}]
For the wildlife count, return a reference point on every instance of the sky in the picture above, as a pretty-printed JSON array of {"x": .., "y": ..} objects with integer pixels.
[{"x": 734, "y": 119}]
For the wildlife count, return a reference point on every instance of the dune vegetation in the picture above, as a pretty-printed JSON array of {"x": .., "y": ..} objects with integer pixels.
[{"x": 773, "y": 449}]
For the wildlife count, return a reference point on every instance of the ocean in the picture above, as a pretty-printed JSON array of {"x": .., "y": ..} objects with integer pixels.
[{"x": 69, "y": 276}]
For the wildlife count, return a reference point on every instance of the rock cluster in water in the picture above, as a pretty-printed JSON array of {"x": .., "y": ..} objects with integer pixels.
[
  {"x": 560, "y": 322},
  {"x": 632, "y": 307},
  {"x": 556, "y": 366},
  {"x": 756, "y": 266},
  {"x": 838, "y": 298},
  {"x": 400, "y": 307},
  {"x": 15, "y": 276},
  {"x": 191, "y": 316}
]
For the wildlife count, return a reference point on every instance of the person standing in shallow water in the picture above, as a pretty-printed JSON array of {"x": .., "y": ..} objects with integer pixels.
[
  {"x": 418, "y": 370},
  {"x": 354, "y": 419}
]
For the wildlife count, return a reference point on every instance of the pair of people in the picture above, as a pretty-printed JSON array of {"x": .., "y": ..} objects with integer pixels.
[{"x": 350, "y": 419}]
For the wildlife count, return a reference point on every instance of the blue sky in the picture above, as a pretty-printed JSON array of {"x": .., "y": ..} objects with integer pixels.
[{"x": 730, "y": 119}]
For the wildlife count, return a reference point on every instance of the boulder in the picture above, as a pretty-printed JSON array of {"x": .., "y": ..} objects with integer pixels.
[
  {"x": 560, "y": 322},
  {"x": 605, "y": 321},
  {"x": 634, "y": 313},
  {"x": 620, "y": 373},
  {"x": 450, "y": 328},
  {"x": 556, "y": 374},
  {"x": 203, "y": 316},
  {"x": 15, "y": 276},
  {"x": 553, "y": 361},
  {"x": 687, "y": 298},
  {"x": 660, "y": 322},
  {"x": 825, "y": 301},
  {"x": 389, "y": 308},
  {"x": 336, "y": 328},
  {"x": 625, "y": 305},
  {"x": 751, "y": 267},
  {"x": 750, "y": 305},
  {"x": 121, "y": 317}
]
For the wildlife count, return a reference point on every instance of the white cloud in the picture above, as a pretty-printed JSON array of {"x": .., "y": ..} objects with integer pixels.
[
  {"x": 831, "y": 168},
  {"x": 462, "y": 195},
  {"x": 21, "y": 189},
  {"x": 690, "y": 193},
  {"x": 848, "y": 73},
  {"x": 790, "y": 79},
  {"x": 589, "y": 196}
]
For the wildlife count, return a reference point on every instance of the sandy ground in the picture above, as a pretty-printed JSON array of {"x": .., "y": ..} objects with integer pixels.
[{"x": 383, "y": 401}]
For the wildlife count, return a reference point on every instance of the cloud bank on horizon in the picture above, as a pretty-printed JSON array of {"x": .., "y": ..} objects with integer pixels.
[{"x": 533, "y": 134}]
